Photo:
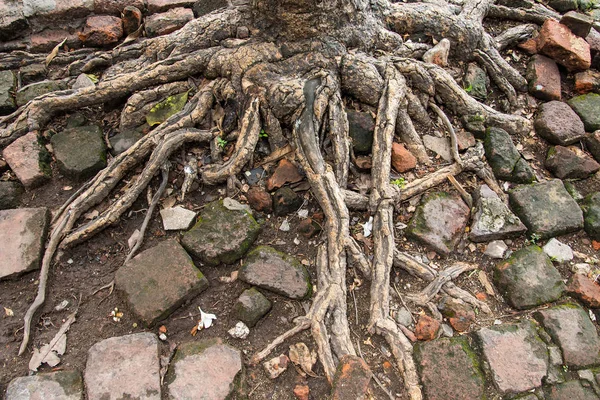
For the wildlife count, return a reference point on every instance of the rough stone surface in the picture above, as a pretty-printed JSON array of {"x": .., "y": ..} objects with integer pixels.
[
  {"x": 427, "y": 328},
  {"x": 124, "y": 367},
  {"x": 10, "y": 194},
  {"x": 124, "y": 140},
  {"x": 440, "y": 146},
  {"x": 546, "y": 209},
  {"x": 438, "y": 54},
  {"x": 580, "y": 24},
  {"x": 33, "y": 90},
  {"x": 460, "y": 315},
  {"x": 167, "y": 22},
  {"x": 23, "y": 157},
  {"x": 80, "y": 152},
  {"x": 251, "y": 306},
  {"x": 587, "y": 81},
  {"x": 402, "y": 159},
  {"x": 82, "y": 81},
  {"x": 572, "y": 390},
  {"x": 558, "y": 251},
  {"x": 158, "y": 280},
  {"x": 177, "y": 218},
  {"x": 53, "y": 10},
  {"x": 361, "y": 127},
  {"x": 60, "y": 385},
  {"x": 259, "y": 200},
  {"x": 563, "y": 5},
  {"x": 592, "y": 143},
  {"x": 203, "y": 7},
  {"x": 570, "y": 163},
  {"x": 559, "y": 43},
  {"x": 8, "y": 85},
  {"x": 286, "y": 172},
  {"x": 587, "y": 106},
  {"x": 493, "y": 220},
  {"x": 585, "y": 290},
  {"x": 12, "y": 21},
  {"x": 528, "y": 278},
  {"x": 46, "y": 40},
  {"x": 591, "y": 215},
  {"x": 504, "y": 158},
  {"x": 102, "y": 30},
  {"x": 203, "y": 370},
  {"x": 351, "y": 380},
  {"x": 286, "y": 201},
  {"x": 270, "y": 269},
  {"x": 116, "y": 7},
  {"x": 22, "y": 236},
  {"x": 571, "y": 328},
  {"x": 221, "y": 235},
  {"x": 517, "y": 357},
  {"x": 496, "y": 249},
  {"x": 449, "y": 360},
  {"x": 439, "y": 221},
  {"x": 155, "y": 6},
  {"x": 477, "y": 80},
  {"x": 543, "y": 78},
  {"x": 559, "y": 124}
]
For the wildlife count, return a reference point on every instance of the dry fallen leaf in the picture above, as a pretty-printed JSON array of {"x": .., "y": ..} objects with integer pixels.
[
  {"x": 50, "y": 352},
  {"x": 54, "y": 52},
  {"x": 304, "y": 358},
  {"x": 8, "y": 312}
]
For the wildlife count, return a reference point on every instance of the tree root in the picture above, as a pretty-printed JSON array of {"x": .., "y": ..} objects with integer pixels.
[{"x": 299, "y": 89}]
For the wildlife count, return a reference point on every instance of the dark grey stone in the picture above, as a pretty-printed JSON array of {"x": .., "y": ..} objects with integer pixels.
[
  {"x": 278, "y": 272},
  {"x": 528, "y": 278},
  {"x": 546, "y": 209}
]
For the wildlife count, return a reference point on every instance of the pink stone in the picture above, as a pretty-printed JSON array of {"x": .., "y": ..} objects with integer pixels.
[{"x": 23, "y": 157}]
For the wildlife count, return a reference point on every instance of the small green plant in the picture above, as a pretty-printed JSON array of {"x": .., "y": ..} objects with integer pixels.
[
  {"x": 469, "y": 88},
  {"x": 400, "y": 182},
  {"x": 221, "y": 142},
  {"x": 263, "y": 134},
  {"x": 533, "y": 239}
]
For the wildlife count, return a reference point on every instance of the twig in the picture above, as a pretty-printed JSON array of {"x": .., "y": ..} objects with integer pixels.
[
  {"x": 453, "y": 139},
  {"x": 463, "y": 193}
]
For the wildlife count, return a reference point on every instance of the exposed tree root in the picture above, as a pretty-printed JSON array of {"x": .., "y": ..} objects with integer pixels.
[{"x": 295, "y": 93}]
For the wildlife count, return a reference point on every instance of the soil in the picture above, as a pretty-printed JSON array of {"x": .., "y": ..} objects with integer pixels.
[{"x": 81, "y": 270}]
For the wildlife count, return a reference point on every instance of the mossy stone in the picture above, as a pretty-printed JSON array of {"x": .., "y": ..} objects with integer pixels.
[
  {"x": 528, "y": 278},
  {"x": 221, "y": 235},
  {"x": 587, "y": 106},
  {"x": 591, "y": 215}
]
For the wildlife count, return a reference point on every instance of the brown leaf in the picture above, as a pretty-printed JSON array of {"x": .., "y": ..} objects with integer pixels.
[
  {"x": 303, "y": 357},
  {"x": 54, "y": 52}
]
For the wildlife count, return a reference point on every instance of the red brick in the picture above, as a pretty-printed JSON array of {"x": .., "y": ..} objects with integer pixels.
[
  {"x": 427, "y": 328},
  {"x": 102, "y": 30},
  {"x": 584, "y": 289},
  {"x": 559, "y": 43},
  {"x": 587, "y": 81},
  {"x": 544, "y": 78},
  {"x": 402, "y": 159},
  {"x": 351, "y": 379}
]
